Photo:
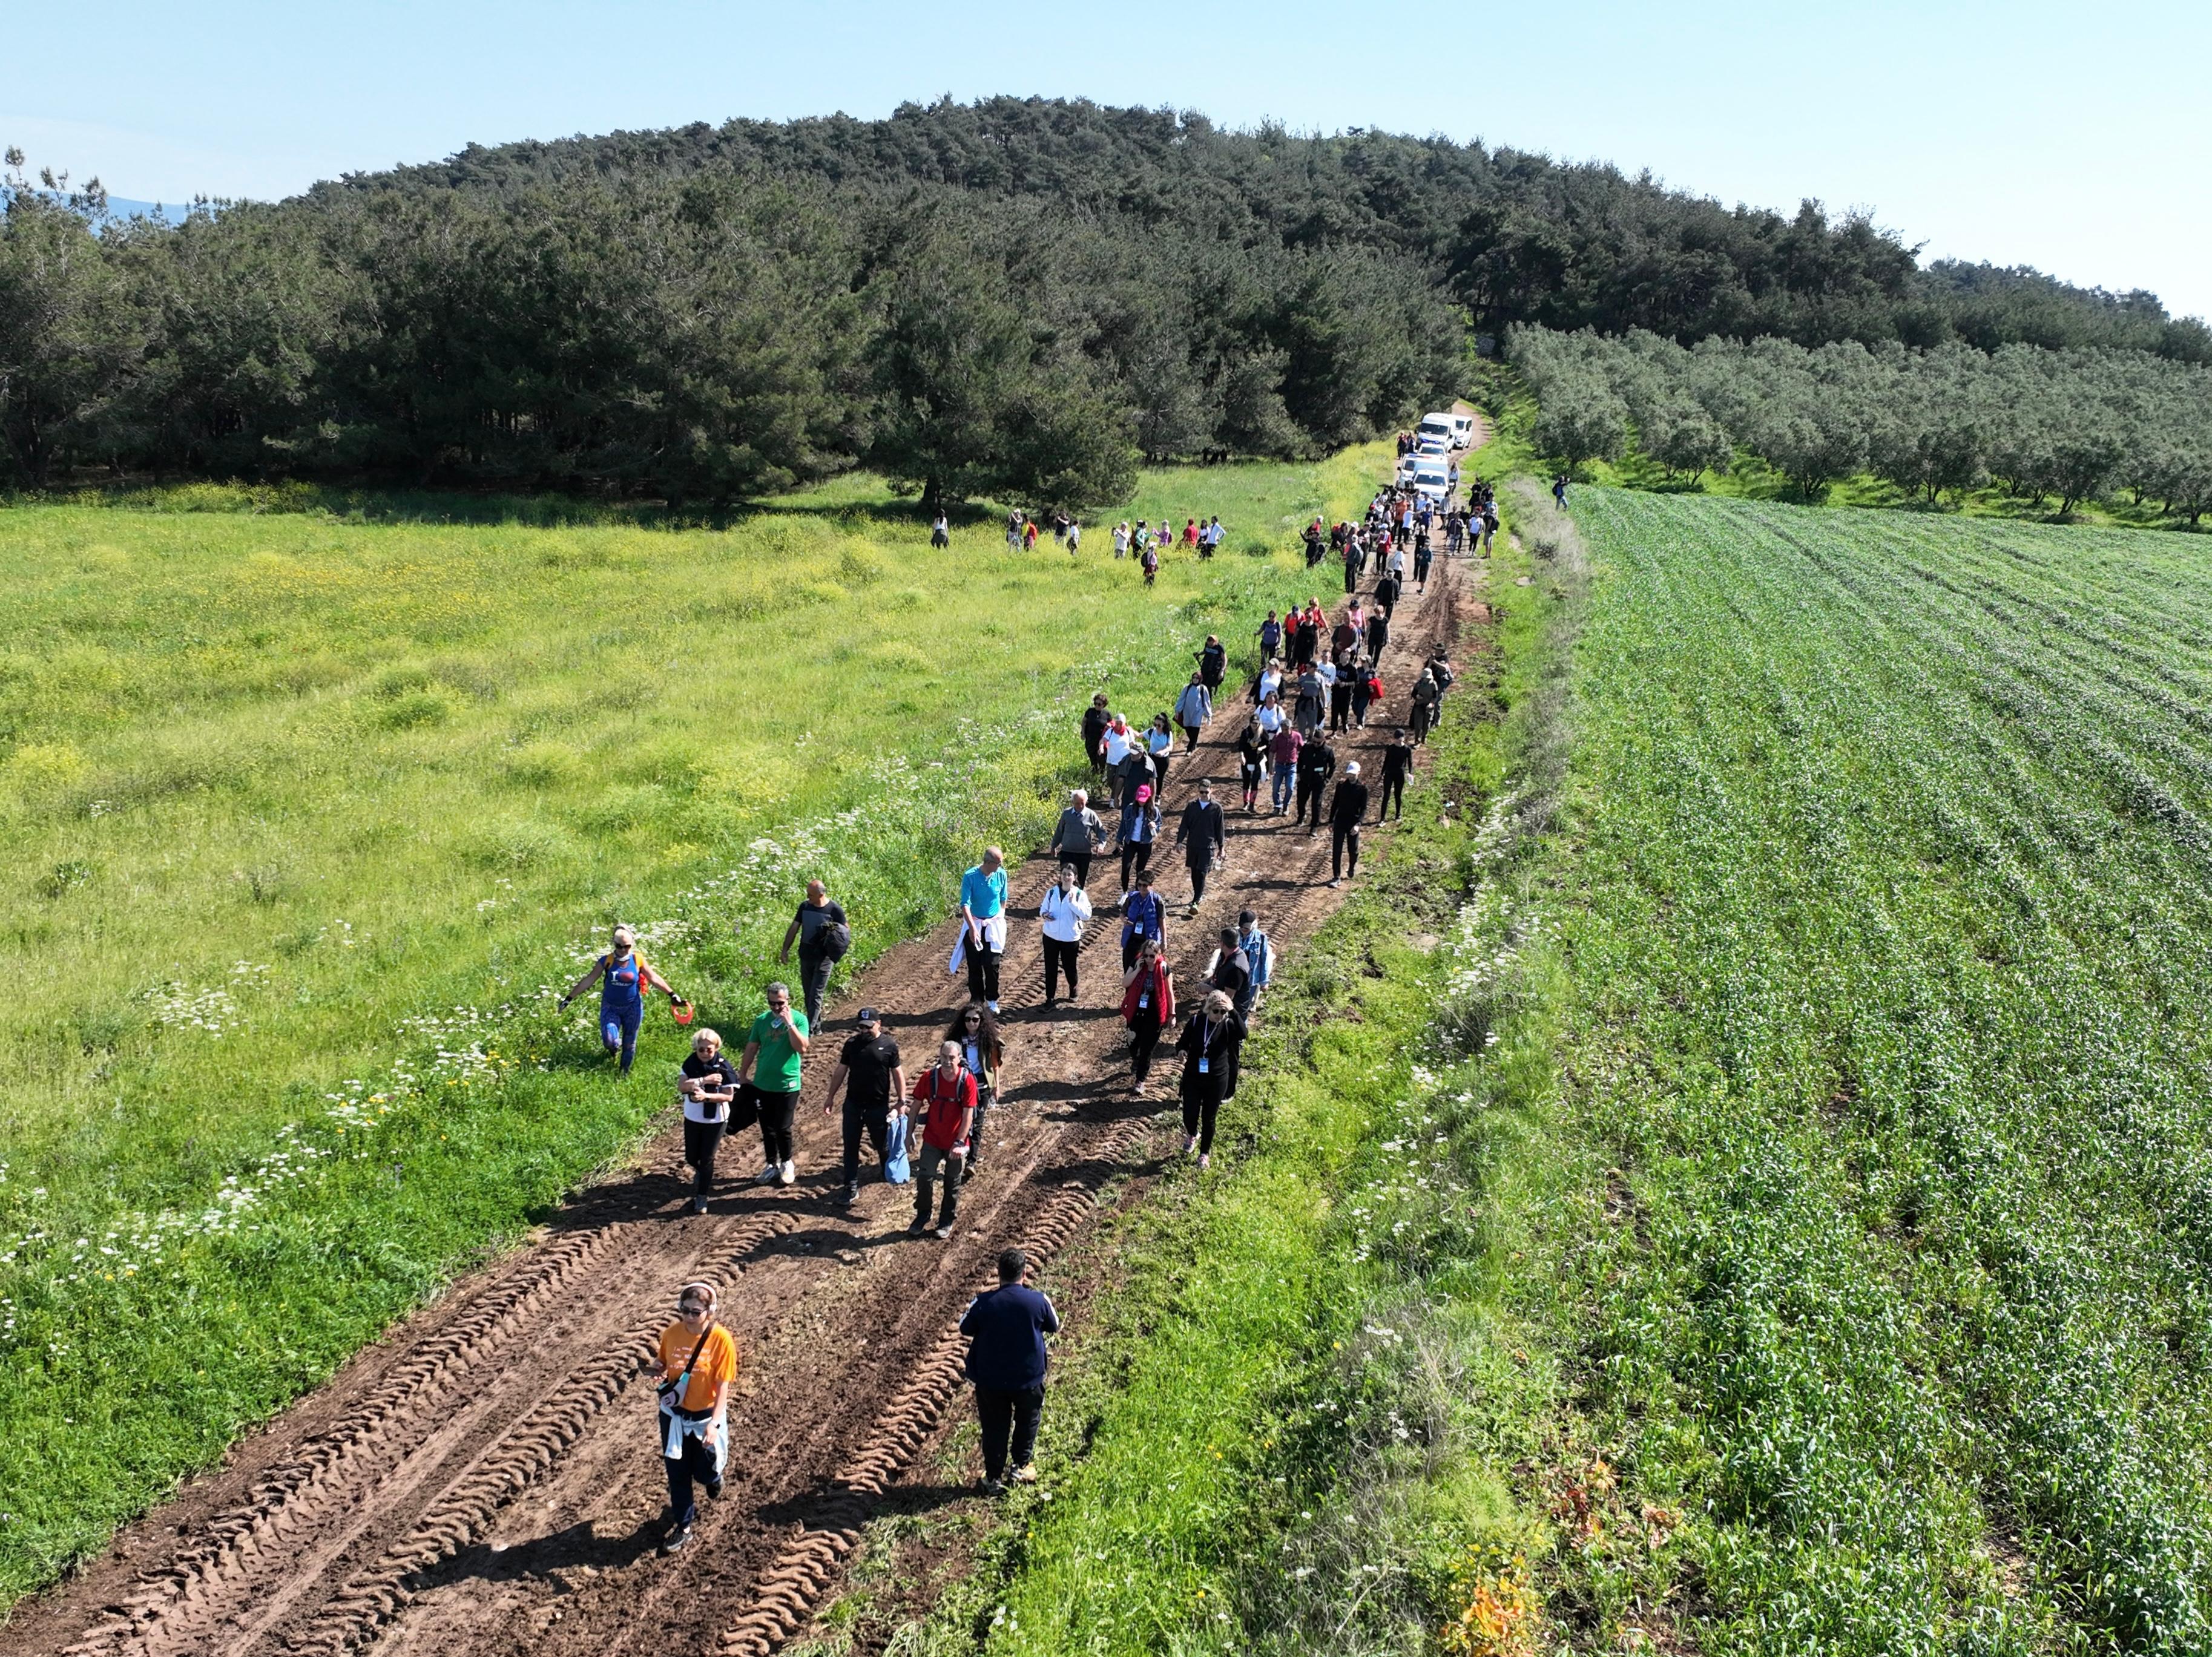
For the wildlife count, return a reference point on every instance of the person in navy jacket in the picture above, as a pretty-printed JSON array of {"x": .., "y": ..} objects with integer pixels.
[{"x": 1006, "y": 1329}]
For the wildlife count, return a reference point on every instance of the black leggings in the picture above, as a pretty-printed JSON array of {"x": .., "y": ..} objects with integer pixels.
[
  {"x": 1060, "y": 958},
  {"x": 1198, "y": 1112},
  {"x": 1135, "y": 854},
  {"x": 1080, "y": 862},
  {"x": 1145, "y": 1027},
  {"x": 701, "y": 1141},
  {"x": 776, "y": 1110},
  {"x": 1393, "y": 787}
]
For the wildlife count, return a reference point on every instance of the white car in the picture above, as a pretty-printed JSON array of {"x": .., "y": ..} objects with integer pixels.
[
  {"x": 1431, "y": 477},
  {"x": 1407, "y": 464},
  {"x": 1463, "y": 429}
]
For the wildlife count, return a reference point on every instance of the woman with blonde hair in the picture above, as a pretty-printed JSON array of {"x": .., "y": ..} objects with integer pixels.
[
  {"x": 622, "y": 975},
  {"x": 709, "y": 1083},
  {"x": 698, "y": 1364}
]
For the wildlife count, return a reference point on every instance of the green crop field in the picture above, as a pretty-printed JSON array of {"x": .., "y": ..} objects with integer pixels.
[
  {"x": 1889, "y": 936},
  {"x": 308, "y": 815}
]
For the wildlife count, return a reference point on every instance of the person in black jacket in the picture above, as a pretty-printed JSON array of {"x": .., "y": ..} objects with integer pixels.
[
  {"x": 1346, "y": 812},
  {"x": 1203, "y": 835},
  {"x": 1006, "y": 1329},
  {"x": 1316, "y": 764},
  {"x": 1095, "y": 719},
  {"x": 1397, "y": 766},
  {"x": 1212, "y": 664},
  {"x": 1209, "y": 1044},
  {"x": 1386, "y": 595}
]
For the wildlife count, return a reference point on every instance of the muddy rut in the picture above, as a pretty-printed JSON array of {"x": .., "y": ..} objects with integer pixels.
[{"x": 485, "y": 1480}]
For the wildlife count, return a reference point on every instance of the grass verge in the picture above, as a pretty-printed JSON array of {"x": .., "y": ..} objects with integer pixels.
[{"x": 1295, "y": 1423}]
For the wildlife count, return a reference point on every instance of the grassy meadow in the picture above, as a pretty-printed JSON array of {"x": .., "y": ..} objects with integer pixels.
[{"x": 316, "y": 804}]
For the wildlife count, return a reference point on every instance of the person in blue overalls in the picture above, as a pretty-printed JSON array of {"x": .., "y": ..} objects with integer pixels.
[{"x": 622, "y": 975}]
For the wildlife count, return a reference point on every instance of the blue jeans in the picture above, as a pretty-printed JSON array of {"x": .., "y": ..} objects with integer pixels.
[
  {"x": 618, "y": 1029},
  {"x": 1286, "y": 777}
]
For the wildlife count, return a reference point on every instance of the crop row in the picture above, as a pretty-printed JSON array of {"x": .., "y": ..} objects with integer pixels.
[{"x": 1892, "y": 966}]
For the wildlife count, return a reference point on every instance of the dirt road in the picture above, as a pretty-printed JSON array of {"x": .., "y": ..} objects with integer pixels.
[{"x": 485, "y": 1480}]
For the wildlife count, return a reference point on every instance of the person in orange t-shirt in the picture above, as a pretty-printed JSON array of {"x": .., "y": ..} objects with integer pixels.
[{"x": 698, "y": 1363}]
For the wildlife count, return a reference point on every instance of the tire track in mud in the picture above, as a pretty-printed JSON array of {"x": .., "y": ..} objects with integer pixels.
[{"x": 376, "y": 1523}]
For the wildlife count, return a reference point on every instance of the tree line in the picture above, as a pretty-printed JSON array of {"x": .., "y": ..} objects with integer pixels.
[
  {"x": 2051, "y": 426},
  {"x": 1015, "y": 298}
]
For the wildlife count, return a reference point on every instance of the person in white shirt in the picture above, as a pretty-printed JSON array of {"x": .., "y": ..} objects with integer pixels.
[
  {"x": 1119, "y": 740},
  {"x": 1271, "y": 715},
  {"x": 1065, "y": 912},
  {"x": 1122, "y": 539}
]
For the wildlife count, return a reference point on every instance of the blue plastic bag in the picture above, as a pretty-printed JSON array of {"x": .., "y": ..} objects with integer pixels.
[{"x": 896, "y": 1170}]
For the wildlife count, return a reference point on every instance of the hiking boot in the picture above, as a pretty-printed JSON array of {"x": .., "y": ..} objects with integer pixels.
[{"x": 713, "y": 1490}]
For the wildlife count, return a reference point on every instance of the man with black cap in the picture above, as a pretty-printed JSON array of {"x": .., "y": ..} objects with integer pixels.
[
  {"x": 1345, "y": 812},
  {"x": 869, "y": 1074},
  {"x": 1005, "y": 1328}
]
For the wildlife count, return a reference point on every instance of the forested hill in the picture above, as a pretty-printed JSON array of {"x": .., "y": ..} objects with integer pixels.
[
  {"x": 1514, "y": 237},
  {"x": 1013, "y": 300}
]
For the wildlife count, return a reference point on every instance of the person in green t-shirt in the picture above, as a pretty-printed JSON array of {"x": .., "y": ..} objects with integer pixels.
[{"x": 778, "y": 1042}]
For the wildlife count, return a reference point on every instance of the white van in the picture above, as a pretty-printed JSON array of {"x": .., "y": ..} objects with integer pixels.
[
  {"x": 1434, "y": 433},
  {"x": 1463, "y": 429}
]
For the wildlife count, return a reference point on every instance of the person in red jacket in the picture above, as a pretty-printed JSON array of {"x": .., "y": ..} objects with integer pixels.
[
  {"x": 1147, "y": 1004},
  {"x": 946, "y": 1094}
]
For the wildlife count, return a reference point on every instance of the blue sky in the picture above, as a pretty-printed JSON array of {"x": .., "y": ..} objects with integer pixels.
[{"x": 2075, "y": 139}]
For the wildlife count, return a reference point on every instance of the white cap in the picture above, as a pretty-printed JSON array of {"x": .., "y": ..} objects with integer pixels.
[{"x": 1353, "y": 769}]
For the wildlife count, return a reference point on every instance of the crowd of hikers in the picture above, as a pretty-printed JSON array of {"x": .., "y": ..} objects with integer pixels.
[{"x": 1314, "y": 674}]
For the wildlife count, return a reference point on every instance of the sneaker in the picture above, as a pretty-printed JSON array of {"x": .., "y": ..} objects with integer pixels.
[
  {"x": 849, "y": 1195},
  {"x": 675, "y": 1539},
  {"x": 770, "y": 1175},
  {"x": 1024, "y": 1474},
  {"x": 698, "y": 1205},
  {"x": 942, "y": 1233},
  {"x": 1335, "y": 883},
  {"x": 994, "y": 1006},
  {"x": 1205, "y": 1161},
  {"x": 713, "y": 1490},
  {"x": 991, "y": 1487},
  {"x": 1189, "y": 1143},
  {"x": 917, "y": 1228},
  {"x": 787, "y": 1174}
]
